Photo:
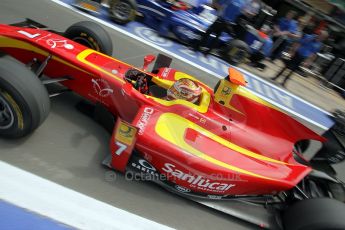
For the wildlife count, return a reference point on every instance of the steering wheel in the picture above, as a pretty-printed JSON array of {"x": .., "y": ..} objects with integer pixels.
[{"x": 138, "y": 79}]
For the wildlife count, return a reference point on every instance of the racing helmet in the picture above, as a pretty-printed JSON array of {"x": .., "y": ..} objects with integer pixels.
[{"x": 184, "y": 89}]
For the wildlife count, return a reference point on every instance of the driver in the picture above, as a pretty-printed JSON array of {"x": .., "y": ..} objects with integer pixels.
[{"x": 184, "y": 89}]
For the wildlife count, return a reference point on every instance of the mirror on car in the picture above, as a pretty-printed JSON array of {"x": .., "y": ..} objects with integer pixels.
[
  {"x": 148, "y": 59},
  {"x": 236, "y": 77}
]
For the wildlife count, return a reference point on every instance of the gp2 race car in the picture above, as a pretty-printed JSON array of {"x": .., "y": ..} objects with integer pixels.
[{"x": 231, "y": 150}]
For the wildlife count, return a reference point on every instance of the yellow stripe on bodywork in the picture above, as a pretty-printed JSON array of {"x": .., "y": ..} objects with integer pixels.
[
  {"x": 84, "y": 54},
  {"x": 7, "y": 42},
  {"x": 172, "y": 128}
]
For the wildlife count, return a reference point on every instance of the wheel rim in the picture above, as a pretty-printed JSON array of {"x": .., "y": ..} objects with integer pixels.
[
  {"x": 6, "y": 114},
  {"x": 85, "y": 42},
  {"x": 122, "y": 11}
]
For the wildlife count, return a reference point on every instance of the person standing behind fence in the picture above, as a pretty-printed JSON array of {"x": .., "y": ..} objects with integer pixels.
[
  {"x": 283, "y": 32},
  {"x": 303, "y": 51},
  {"x": 228, "y": 11}
]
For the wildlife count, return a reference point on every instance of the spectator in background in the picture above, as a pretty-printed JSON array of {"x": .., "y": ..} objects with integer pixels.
[
  {"x": 251, "y": 8},
  {"x": 247, "y": 17},
  {"x": 263, "y": 49},
  {"x": 306, "y": 18},
  {"x": 228, "y": 11},
  {"x": 284, "y": 31},
  {"x": 303, "y": 51}
]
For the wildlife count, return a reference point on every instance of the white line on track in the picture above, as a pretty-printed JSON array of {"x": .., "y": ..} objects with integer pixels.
[
  {"x": 64, "y": 205},
  {"x": 203, "y": 68}
]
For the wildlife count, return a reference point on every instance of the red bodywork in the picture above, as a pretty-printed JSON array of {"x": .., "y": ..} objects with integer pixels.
[{"x": 241, "y": 148}]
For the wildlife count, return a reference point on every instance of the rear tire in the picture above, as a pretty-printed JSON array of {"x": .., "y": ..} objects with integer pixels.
[
  {"x": 24, "y": 101},
  {"x": 237, "y": 52},
  {"x": 122, "y": 11},
  {"x": 91, "y": 35},
  {"x": 315, "y": 214}
]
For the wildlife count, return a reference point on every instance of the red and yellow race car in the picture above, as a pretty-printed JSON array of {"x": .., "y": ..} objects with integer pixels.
[{"x": 229, "y": 145}]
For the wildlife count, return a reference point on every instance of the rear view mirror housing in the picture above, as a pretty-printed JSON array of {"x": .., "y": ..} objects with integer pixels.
[
  {"x": 236, "y": 77},
  {"x": 148, "y": 59}
]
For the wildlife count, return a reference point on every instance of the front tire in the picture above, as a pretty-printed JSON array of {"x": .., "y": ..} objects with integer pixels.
[
  {"x": 91, "y": 35},
  {"x": 24, "y": 101},
  {"x": 315, "y": 214},
  {"x": 122, "y": 11}
]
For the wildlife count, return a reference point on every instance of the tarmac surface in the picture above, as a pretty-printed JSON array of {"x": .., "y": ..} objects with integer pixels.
[{"x": 68, "y": 147}]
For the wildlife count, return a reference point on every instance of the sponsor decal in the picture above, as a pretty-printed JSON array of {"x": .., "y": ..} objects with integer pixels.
[
  {"x": 44, "y": 37},
  {"x": 166, "y": 72},
  {"x": 125, "y": 133},
  {"x": 182, "y": 189},
  {"x": 200, "y": 119},
  {"x": 144, "y": 119},
  {"x": 124, "y": 137},
  {"x": 197, "y": 181},
  {"x": 226, "y": 90},
  {"x": 58, "y": 43},
  {"x": 102, "y": 87},
  {"x": 145, "y": 167}
]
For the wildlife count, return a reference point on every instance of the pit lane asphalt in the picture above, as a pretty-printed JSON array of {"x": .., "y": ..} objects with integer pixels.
[{"x": 69, "y": 147}]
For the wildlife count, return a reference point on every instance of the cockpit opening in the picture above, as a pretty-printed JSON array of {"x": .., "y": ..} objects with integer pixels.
[{"x": 183, "y": 89}]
